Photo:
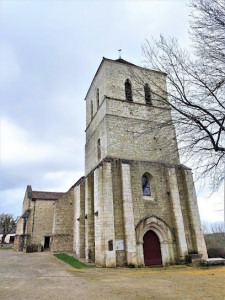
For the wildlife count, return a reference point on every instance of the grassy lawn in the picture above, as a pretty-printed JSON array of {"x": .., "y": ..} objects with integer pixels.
[
  {"x": 6, "y": 248},
  {"x": 72, "y": 261}
]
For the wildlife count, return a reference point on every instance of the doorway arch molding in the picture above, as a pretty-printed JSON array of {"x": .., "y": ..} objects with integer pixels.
[{"x": 164, "y": 233}]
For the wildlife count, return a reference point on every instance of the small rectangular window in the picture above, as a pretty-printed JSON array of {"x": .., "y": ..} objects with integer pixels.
[{"x": 110, "y": 245}]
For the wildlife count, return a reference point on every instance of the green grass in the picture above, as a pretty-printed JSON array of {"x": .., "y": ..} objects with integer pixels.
[
  {"x": 72, "y": 261},
  {"x": 6, "y": 248}
]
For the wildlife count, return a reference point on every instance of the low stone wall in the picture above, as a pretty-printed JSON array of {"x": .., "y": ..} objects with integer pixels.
[
  {"x": 8, "y": 245},
  {"x": 61, "y": 242}
]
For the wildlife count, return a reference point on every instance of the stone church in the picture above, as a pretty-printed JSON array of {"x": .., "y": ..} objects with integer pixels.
[{"x": 136, "y": 204}]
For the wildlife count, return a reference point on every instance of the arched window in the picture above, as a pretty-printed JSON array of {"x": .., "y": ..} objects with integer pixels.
[
  {"x": 147, "y": 90},
  {"x": 146, "y": 185},
  {"x": 99, "y": 148},
  {"x": 128, "y": 90},
  {"x": 91, "y": 109},
  {"x": 97, "y": 97}
]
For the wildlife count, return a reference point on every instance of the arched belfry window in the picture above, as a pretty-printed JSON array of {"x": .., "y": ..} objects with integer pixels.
[
  {"x": 97, "y": 97},
  {"x": 128, "y": 90},
  {"x": 91, "y": 109},
  {"x": 99, "y": 148},
  {"x": 147, "y": 90},
  {"x": 146, "y": 185}
]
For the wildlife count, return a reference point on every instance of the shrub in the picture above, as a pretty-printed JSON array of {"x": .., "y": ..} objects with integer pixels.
[{"x": 216, "y": 252}]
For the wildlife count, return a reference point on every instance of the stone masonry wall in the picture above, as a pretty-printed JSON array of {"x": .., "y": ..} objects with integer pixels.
[
  {"x": 79, "y": 220},
  {"x": 116, "y": 74},
  {"x": 177, "y": 213},
  {"x": 118, "y": 210},
  {"x": 128, "y": 138},
  {"x": 30, "y": 222},
  {"x": 185, "y": 207},
  {"x": 97, "y": 119},
  {"x": 161, "y": 204},
  {"x": 89, "y": 219},
  {"x": 91, "y": 152},
  {"x": 128, "y": 124},
  {"x": 62, "y": 238},
  {"x": 128, "y": 216},
  {"x": 194, "y": 217},
  {"x": 43, "y": 220},
  {"x": 98, "y": 82},
  {"x": 158, "y": 205},
  {"x": 105, "y": 254},
  {"x": 28, "y": 204},
  {"x": 27, "y": 199}
]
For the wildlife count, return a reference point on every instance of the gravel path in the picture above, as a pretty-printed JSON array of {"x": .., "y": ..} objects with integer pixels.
[{"x": 42, "y": 276}]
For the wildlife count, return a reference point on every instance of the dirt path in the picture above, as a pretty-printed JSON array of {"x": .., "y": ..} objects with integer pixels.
[{"x": 42, "y": 276}]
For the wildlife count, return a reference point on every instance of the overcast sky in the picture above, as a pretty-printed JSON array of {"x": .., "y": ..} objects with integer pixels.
[{"x": 50, "y": 51}]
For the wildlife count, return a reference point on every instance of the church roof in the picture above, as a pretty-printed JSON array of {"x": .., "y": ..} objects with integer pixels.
[
  {"x": 123, "y": 61},
  {"x": 46, "y": 195}
]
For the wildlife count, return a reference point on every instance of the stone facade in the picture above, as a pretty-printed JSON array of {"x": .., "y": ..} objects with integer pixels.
[
  {"x": 35, "y": 226},
  {"x": 106, "y": 217}
]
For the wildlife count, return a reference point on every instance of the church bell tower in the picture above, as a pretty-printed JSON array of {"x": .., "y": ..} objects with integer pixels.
[{"x": 138, "y": 197}]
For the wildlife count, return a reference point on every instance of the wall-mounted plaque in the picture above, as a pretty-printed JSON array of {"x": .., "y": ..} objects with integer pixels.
[{"x": 119, "y": 245}]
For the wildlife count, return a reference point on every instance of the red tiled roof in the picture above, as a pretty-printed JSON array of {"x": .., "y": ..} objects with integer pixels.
[
  {"x": 124, "y": 62},
  {"x": 46, "y": 195}
]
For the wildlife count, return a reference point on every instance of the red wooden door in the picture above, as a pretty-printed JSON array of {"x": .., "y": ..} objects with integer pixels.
[{"x": 152, "y": 251}]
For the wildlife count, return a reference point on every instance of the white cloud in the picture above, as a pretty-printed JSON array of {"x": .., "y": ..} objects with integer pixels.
[
  {"x": 17, "y": 146},
  {"x": 11, "y": 201},
  {"x": 61, "y": 181},
  {"x": 211, "y": 206}
]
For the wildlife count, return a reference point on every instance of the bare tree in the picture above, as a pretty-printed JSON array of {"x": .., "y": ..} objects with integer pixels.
[
  {"x": 218, "y": 227},
  {"x": 7, "y": 222},
  {"x": 207, "y": 32},
  {"x": 213, "y": 228},
  {"x": 196, "y": 89}
]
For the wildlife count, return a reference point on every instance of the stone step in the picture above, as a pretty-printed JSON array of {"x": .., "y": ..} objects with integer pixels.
[{"x": 213, "y": 261}]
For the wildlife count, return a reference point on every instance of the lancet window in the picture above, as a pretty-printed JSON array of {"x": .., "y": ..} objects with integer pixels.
[
  {"x": 147, "y": 90},
  {"x": 128, "y": 90}
]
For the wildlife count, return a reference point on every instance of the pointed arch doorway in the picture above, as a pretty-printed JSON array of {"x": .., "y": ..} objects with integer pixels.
[{"x": 152, "y": 251}]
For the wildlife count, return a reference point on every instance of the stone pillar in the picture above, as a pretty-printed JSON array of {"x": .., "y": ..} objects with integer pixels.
[
  {"x": 178, "y": 217},
  {"x": 108, "y": 223},
  {"x": 76, "y": 220},
  {"x": 195, "y": 217},
  {"x": 82, "y": 219},
  {"x": 99, "y": 218},
  {"x": 79, "y": 220},
  {"x": 128, "y": 214},
  {"x": 140, "y": 255},
  {"x": 89, "y": 219}
]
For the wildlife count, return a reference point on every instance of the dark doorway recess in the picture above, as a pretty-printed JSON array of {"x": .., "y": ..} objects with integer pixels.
[
  {"x": 152, "y": 251},
  {"x": 47, "y": 242}
]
